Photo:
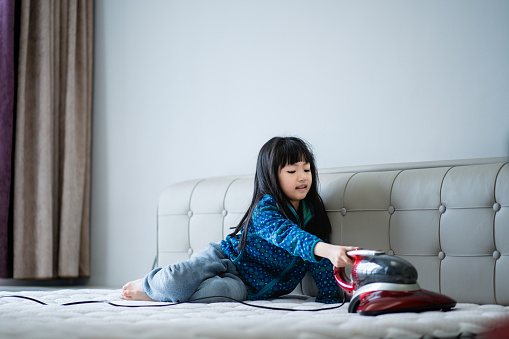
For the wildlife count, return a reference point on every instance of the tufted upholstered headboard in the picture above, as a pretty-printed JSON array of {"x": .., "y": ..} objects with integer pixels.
[{"x": 450, "y": 219}]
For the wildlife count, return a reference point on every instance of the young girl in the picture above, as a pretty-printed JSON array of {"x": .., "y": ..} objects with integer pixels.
[{"x": 280, "y": 238}]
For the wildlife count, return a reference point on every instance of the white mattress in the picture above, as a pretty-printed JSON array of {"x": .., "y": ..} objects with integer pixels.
[{"x": 27, "y": 319}]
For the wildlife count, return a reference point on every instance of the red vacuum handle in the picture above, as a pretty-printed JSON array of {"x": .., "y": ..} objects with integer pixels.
[{"x": 343, "y": 280}]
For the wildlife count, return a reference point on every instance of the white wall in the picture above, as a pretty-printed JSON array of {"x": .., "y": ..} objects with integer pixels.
[{"x": 190, "y": 89}]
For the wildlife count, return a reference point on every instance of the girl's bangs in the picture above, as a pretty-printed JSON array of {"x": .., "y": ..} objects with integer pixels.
[{"x": 292, "y": 153}]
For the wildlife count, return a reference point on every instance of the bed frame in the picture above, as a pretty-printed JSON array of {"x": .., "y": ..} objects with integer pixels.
[{"x": 449, "y": 219}]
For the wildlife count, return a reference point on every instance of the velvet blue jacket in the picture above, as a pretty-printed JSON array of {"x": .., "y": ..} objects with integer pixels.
[{"x": 278, "y": 253}]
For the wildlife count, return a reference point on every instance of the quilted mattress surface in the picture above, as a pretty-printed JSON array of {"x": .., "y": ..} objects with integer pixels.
[{"x": 21, "y": 318}]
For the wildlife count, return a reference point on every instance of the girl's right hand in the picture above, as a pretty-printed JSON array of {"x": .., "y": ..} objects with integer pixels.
[{"x": 335, "y": 253}]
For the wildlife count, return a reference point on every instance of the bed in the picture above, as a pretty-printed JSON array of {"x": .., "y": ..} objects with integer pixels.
[{"x": 449, "y": 219}]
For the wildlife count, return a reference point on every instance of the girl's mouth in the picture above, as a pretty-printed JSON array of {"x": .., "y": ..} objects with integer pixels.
[{"x": 302, "y": 187}]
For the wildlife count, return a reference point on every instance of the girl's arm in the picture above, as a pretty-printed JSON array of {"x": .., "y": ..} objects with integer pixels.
[
  {"x": 269, "y": 224},
  {"x": 336, "y": 254}
]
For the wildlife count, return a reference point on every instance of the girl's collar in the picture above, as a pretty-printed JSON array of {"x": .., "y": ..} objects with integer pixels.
[{"x": 307, "y": 212}]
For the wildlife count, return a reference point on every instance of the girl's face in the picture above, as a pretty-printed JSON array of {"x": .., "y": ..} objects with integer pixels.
[{"x": 295, "y": 181}]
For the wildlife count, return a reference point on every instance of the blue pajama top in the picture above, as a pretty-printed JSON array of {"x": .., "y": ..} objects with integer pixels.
[{"x": 278, "y": 253}]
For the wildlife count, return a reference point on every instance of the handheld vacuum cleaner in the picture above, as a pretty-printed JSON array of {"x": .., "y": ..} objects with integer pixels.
[{"x": 382, "y": 283}]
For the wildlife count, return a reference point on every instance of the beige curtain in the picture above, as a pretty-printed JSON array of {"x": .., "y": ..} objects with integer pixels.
[{"x": 53, "y": 129}]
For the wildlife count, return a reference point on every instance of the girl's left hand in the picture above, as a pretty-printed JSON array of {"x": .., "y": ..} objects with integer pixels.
[{"x": 335, "y": 253}]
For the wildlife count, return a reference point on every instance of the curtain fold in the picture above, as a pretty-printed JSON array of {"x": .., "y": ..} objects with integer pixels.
[
  {"x": 7, "y": 96},
  {"x": 52, "y": 141}
]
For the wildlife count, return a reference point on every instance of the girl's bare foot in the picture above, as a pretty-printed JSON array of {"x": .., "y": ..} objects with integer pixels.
[{"x": 133, "y": 291}]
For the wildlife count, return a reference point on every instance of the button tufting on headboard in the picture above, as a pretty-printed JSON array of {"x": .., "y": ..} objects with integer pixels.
[{"x": 496, "y": 255}]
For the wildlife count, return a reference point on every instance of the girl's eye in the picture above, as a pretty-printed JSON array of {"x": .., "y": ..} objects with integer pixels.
[
  {"x": 291, "y": 172},
  {"x": 307, "y": 170}
]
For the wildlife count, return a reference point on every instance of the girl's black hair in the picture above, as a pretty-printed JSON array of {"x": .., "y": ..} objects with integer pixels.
[{"x": 274, "y": 155}]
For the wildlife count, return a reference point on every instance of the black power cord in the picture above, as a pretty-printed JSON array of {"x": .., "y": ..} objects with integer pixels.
[{"x": 177, "y": 303}]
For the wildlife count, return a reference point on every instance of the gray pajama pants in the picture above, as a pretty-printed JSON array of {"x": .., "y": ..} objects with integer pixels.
[{"x": 209, "y": 274}]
